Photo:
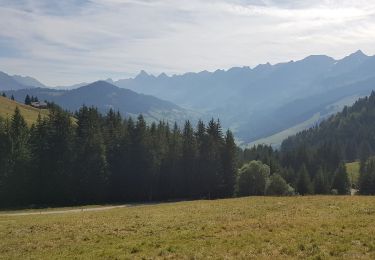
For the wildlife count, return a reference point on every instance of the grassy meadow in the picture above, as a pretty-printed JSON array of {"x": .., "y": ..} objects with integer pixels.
[
  {"x": 30, "y": 114},
  {"x": 314, "y": 227}
]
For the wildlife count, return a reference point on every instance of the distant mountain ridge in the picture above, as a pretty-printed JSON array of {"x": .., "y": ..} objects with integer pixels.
[
  {"x": 105, "y": 96},
  {"x": 256, "y": 103},
  {"x": 251, "y": 100}
]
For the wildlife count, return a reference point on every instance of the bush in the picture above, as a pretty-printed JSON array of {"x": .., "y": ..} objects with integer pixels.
[
  {"x": 278, "y": 186},
  {"x": 252, "y": 179}
]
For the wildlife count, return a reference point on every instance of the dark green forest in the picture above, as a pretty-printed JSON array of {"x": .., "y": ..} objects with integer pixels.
[
  {"x": 90, "y": 158},
  {"x": 87, "y": 158}
]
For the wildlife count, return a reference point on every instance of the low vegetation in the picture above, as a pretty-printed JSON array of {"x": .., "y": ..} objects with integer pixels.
[{"x": 310, "y": 227}]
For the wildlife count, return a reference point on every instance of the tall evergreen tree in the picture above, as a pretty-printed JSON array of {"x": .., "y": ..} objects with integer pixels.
[
  {"x": 27, "y": 100},
  {"x": 188, "y": 164},
  {"x": 116, "y": 138},
  {"x": 304, "y": 185},
  {"x": 367, "y": 178},
  {"x": 91, "y": 172},
  {"x": 341, "y": 181},
  {"x": 229, "y": 159},
  {"x": 17, "y": 179},
  {"x": 52, "y": 142},
  {"x": 321, "y": 185}
]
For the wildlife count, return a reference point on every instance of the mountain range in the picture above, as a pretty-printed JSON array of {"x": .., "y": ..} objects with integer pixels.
[
  {"x": 268, "y": 99},
  {"x": 261, "y": 104},
  {"x": 105, "y": 96}
]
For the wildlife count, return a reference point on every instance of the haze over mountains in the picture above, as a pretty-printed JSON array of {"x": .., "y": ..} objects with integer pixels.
[
  {"x": 267, "y": 99},
  {"x": 256, "y": 103},
  {"x": 105, "y": 96}
]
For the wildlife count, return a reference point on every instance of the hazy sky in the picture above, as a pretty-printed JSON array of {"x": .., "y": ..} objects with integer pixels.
[{"x": 71, "y": 41}]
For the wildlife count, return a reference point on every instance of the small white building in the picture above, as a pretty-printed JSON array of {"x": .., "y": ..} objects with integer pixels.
[{"x": 39, "y": 105}]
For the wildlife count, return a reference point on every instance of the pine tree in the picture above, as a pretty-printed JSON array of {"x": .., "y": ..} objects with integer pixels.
[
  {"x": 141, "y": 161},
  {"x": 12, "y": 97},
  {"x": 189, "y": 177},
  {"x": 341, "y": 180},
  {"x": 5, "y": 147},
  {"x": 304, "y": 185},
  {"x": 214, "y": 173},
  {"x": 229, "y": 159},
  {"x": 18, "y": 179},
  {"x": 321, "y": 185},
  {"x": 116, "y": 138},
  {"x": 91, "y": 164},
  {"x": 52, "y": 142},
  {"x": 367, "y": 178},
  {"x": 27, "y": 100},
  {"x": 201, "y": 189}
]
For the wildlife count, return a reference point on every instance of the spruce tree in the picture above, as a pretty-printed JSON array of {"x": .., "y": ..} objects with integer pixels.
[
  {"x": 229, "y": 159},
  {"x": 367, "y": 178},
  {"x": 91, "y": 164},
  {"x": 341, "y": 180},
  {"x": 18, "y": 180},
  {"x": 321, "y": 185},
  {"x": 27, "y": 100},
  {"x": 304, "y": 185},
  {"x": 189, "y": 176}
]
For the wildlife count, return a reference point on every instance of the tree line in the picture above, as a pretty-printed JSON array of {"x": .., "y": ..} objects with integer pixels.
[
  {"x": 87, "y": 157},
  {"x": 90, "y": 158}
]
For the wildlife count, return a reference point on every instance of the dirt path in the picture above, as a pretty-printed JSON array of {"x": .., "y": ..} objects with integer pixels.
[{"x": 65, "y": 211}]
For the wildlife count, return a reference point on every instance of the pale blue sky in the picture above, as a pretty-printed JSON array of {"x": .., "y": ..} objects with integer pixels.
[{"x": 65, "y": 42}]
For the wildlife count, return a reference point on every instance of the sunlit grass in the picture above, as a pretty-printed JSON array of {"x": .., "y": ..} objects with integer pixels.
[
  {"x": 30, "y": 114},
  {"x": 353, "y": 172},
  {"x": 317, "y": 227}
]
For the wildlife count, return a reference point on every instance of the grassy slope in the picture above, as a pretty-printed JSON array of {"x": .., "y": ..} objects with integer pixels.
[
  {"x": 30, "y": 114},
  {"x": 317, "y": 227},
  {"x": 353, "y": 172},
  {"x": 277, "y": 138}
]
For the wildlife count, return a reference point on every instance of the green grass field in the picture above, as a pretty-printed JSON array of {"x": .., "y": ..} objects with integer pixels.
[
  {"x": 316, "y": 227},
  {"x": 30, "y": 114}
]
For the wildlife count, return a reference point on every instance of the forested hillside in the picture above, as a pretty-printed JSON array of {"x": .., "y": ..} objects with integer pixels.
[
  {"x": 99, "y": 159},
  {"x": 351, "y": 132},
  {"x": 312, "y": 160}
]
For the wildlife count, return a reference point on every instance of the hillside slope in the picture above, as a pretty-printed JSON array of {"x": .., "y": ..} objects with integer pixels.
[
  {"x": 351, "y": 133},
  {"x": 105, "y": 96},
  {"x": 9, "y": 83},
  {"x": 30, "y": 114}
]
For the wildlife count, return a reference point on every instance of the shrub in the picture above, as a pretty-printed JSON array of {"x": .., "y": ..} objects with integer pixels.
[
  {"x": 252, "y": 179},
  {"x": 278, "y": 186}
]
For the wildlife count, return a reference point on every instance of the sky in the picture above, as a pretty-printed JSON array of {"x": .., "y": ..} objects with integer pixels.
[{"x": 73, "y": 41}]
